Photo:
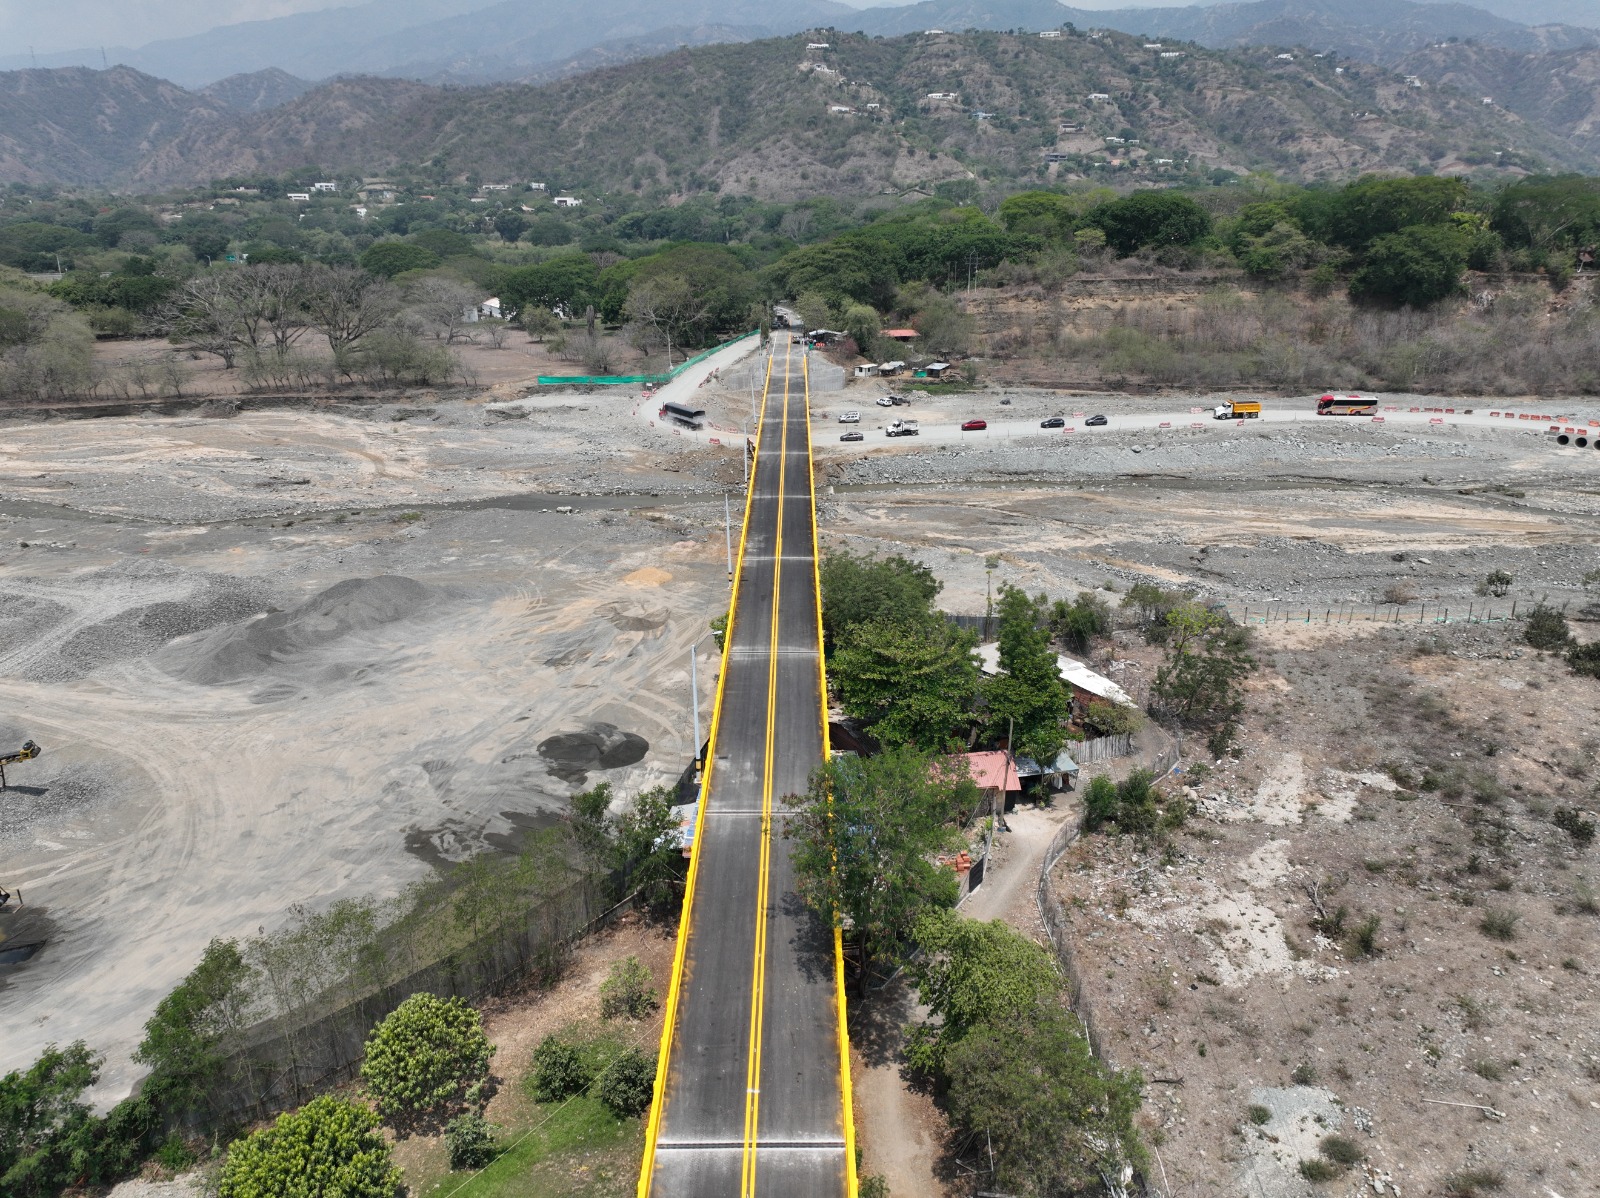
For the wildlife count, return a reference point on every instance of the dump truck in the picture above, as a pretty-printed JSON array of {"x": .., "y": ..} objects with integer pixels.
[{"x": 1237, "y": 411}]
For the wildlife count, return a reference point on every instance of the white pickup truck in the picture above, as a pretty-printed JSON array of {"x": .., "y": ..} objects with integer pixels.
[
  {"x": 902, "y": 428},
  {"x": 849, "y": 417}
]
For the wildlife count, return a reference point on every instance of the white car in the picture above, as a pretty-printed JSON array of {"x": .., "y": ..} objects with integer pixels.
[
  {"x": 849, "y": 417},
  {"x": 885, "y": 402}
]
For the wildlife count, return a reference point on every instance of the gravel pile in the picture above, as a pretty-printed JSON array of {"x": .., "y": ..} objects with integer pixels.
[{"x": 247, "y": 650}]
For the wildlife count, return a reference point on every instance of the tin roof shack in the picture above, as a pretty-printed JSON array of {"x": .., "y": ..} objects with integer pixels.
[
  {"x": 996, "y": 777},
  {"x": 1086, "y": 685},
  {"x": 1060, "y": 774}
]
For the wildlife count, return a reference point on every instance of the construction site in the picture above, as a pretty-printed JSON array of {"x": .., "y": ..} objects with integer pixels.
[{"x": 280, "y": 656}]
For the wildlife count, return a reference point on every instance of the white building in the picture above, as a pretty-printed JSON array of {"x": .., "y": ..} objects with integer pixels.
[
  {"x": 1051, "y": 33},
  {"x": 1085, "y": 683},
  {"x": 566, "y": 202},
  {"x": 537, "y": 187},
  {"x": 324, "y": 187},
  {"x": 495, "y": 187},
  {"x": 1096, "y": 97},
  {"x": 816, "y": 45},
  {"x": 300, "y": 197},
  {"x": 1172, "y": 54}
]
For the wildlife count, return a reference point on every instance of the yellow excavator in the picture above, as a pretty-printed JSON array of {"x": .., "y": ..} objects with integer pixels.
[{"x": 28, "y": 752}]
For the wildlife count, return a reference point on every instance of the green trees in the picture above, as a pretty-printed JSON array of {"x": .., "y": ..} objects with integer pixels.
[
  {"x": 1076, "y": 624},
  {"x": 1417, "y": 266},
  {"x": 1060, "y": 1121},
  {"x": 914, "y": 682},
  {"x": 1546, "y": 628},
  {"x": 1371, "y": 208},
  {"x": 857, "y": 588},
  {"x": 389, "y": 258},
  {"x": 1046, "y": 214},
  {"x": 1151, "y": 218},
  {"x": 1027, "y": 699},
  {"x": 329, "y": 1148},
  {"x": 425, "y": 1056},
  {"x": 567, "y": 282},
  {"x": 184, "y": 1040},
  {"x": 1549, "y": 214},
  {"x": 1200, "y": 682},
  {"x": 863, "y": 835},
  {"x": 621, "y": 1076},
  {"x": 46, "y": 349},
  {"x": 1017, "y": 1067}
]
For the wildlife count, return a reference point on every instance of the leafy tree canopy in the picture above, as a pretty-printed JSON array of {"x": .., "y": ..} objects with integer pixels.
[
  {"x": 1417, "y": 266},
  {"x": 389, "y": 258},
  {"x": 425, "y": 1055},
  {"x": 1151, "y": 218},
  {"x": 864, "y": 836},
  {"x": 329, "y": 1148},
  {"x": 1027, "y": 700},
  {"x": 1372, "y": 207},
  {"x": 857, "y": 588},
  {"x": 914, "y": 682}
]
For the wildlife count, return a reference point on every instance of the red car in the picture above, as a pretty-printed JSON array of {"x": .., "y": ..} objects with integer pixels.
[{"x": 974, "y": 426}]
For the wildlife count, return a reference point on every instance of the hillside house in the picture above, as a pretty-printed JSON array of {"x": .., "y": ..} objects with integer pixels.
[
  {"x": 943, "y": 96},
  {"x": 566, "y": 202},
  {"x": 537, "y": 187},
  {"x": 300, "y": 197},
  {"x": 866, "y": 371},
  {"x": 1152, "y": 45},
  {"x": 840, "y": 109},
  {"x": 901, "y": 335},
  {"x": 495, "y": 187},
  {"x": 324, "y": 187},
  {"x": 1050, "y": 33},
  {"x": 816, "y": 45},
  {"x": 935, "y": 370},
  {"x": 996, "y": 777},
  {"x": 891, "y": 368},
  {"x": 1099, "y": 97},
  {"x": 1085, "y": 684},
  {"x": 1172, "y": 54}
]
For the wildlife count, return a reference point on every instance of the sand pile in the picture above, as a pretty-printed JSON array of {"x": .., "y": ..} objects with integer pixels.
[{"x": 246, "y": 650}]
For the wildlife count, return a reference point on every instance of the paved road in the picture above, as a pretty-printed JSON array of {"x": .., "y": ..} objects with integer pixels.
[{"x": 753, "y": 1098}]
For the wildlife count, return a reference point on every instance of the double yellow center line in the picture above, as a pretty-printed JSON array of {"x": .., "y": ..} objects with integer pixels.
[{"x": 758, "y": 966}]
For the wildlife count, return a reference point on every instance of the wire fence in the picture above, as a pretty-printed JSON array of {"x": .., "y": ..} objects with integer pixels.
[
  {"x": 1381, "y": 613},
  {"x": 615, "y": 380}
]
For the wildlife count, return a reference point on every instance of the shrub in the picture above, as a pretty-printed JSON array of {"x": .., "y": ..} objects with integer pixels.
[
  {"x": 1499, "y": 924},
  {"x": 559, "y": 1070},
  {"x": 1585, "y": 659},
  {"x": 1305, "y": 1074},
  {"x": 627, "y": 992},
  {"x": 1570, "y": 820},
  {"x": 329, "y": 1146},
  {"x": 1363, "y": 940},
  {"x": 425, "y": 1055},
  {"x": 1399, "y": 594},
  {"x": 1488, "y": 1070},
  {"x": 1341, "y": 1151},
  {"x": 1496, "y": 583},
  {"x": 1474, "y": 1183},
  {"x": 628, "y": 1085},
  {"x": 469, "y": 1139},
  {"x": 1099, "y": 803},
  {"x": 1415, "y": 267},
  {"x": 1317, "y": 1169},
  {"x": 1546, "y": 628},
  {"x": 1260, "y": 1115}
]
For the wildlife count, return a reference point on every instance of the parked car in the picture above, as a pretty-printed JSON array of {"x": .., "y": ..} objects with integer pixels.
[
  {"x": 899, "y": 400},
  {"x": 1053, "y": 422},
  {"x": 885, "y": 401},
  {"x": 974, "y": 426},
  {"x": 854, "y": 434},
  {"x": 849, "y": 417},
  {"x": 1095, "y": 421}
]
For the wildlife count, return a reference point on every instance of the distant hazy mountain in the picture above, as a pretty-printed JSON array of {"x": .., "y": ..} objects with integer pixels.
[
  {"x": 471, "y": 41},
  {"x": 1560, "y": 92},
  {"x": 76, "y": 125},
  {"x": 257, "y": 91},
  {"x": 1376, "y": 30}
]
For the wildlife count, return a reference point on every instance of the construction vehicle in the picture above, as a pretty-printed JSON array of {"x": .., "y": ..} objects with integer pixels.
[
  {"x": 902, "y": 428},
  {"x": 28, "y": 752},
  {"x": 1237, "y": 411}
]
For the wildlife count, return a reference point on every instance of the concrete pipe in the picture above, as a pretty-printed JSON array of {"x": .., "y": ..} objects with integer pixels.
[
  {"x": 1582, "y": 442},
  {"x": 1563, "y": 439}
]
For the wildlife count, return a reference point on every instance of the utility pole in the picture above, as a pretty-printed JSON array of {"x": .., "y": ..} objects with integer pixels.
[
  {"x": 694, "y": 693},
  {"x": 727, "y": 534}
]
